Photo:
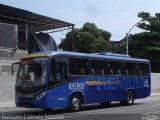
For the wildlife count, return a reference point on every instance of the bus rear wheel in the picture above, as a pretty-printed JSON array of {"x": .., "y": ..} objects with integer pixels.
[
  {"x": 75, "y": 103},
  {"x": 129, "y": 99}
]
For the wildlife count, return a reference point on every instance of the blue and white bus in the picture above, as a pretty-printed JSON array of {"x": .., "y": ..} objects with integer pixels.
[{"x": 71, "y": 80}]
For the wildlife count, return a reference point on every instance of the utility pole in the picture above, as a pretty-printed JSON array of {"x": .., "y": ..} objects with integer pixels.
[
  {"x": 126, "y": 43},
  {"x": 127, "y": 48}
]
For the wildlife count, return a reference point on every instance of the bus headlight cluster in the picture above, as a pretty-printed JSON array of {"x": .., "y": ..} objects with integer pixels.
[{"x": 41, "y": 95}]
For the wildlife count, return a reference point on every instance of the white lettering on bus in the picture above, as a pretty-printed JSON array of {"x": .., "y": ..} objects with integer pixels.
[{"x": 76, "y": 86}]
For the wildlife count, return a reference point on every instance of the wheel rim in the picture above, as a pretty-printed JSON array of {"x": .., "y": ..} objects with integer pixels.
[
  {"x": 75, "y": 103},
  {"x": 130, "y": 98}
]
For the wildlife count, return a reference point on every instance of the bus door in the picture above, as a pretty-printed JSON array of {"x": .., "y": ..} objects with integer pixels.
[{"x": 58, "y": 75}]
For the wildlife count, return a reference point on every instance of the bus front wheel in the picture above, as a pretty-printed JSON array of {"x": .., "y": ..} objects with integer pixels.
[{"x": 75, "y": 103}]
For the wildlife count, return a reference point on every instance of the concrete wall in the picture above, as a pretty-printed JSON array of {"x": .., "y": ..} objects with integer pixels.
[
  {"x": 10, "y": 55},
  {"x": 7, "y": 81},
  {"x": 7, "y": 88},
  {"x": 155, "y": 82}
]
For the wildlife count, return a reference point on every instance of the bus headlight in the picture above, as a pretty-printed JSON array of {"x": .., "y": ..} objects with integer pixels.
[{"x": 40, "y": 96}]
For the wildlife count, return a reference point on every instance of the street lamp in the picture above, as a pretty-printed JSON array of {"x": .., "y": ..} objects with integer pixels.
[{"x": 128, "y": 34}]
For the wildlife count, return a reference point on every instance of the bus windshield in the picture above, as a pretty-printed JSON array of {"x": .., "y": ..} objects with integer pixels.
[{"x": 32, "y": 75}]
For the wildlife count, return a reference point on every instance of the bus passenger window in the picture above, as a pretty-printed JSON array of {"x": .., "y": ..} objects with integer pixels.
[
  {"x": 92, "y": 71},
  {"x": 102, "y": 72},
  {"x": 80, "y": 71},
  {"x": 139, "y": 69},
  {"x": 128, "y": 68},
  {"x": 98, "y": 67},
  {"x": 78, "y": 66},
  {"x": 118, "y": 72},
  {"x": 134, "y": 69},
  {"x": 140, "y": 73},
  {"x": 115, "y": 67},
  {"x": 125, "y": 72},
  {"x": 143, "y": 69},
  {"x": 111, "y": 72},
  {"x": 58, "y": 71},
  {"x": 99, "y": 72}
]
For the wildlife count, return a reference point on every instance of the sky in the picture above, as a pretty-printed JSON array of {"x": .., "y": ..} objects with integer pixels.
[{"x": 115, "y": 16}]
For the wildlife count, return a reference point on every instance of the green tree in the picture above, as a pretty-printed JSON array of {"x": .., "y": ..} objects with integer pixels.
[
  {"x": 147, "y": 44},
  {"x": 87, "y": 39}
]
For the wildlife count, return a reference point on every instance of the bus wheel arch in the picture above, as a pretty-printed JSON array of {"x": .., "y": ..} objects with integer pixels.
[
  {"x": 76, "y": 101},
  {"x": 132, "y": 90}
]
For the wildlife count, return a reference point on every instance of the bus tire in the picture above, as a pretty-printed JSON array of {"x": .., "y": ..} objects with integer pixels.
[
  {"x": 75, "y": 103},
  {"x": 129, "y": 99}
]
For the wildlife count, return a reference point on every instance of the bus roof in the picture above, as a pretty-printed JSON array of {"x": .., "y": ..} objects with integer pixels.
[{"x": 86, "y": 55}]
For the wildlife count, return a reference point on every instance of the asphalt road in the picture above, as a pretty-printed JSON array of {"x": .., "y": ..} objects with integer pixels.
[{"x": 144, "y": 109}]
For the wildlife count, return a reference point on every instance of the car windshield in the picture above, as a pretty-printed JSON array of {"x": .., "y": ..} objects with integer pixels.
[{"x": 32, "y": 75}]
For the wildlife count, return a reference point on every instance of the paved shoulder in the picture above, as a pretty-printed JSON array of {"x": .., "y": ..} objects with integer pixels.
[{"x": 7, "y": 104}]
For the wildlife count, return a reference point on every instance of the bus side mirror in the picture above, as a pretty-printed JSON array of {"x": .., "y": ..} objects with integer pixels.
[{"x": 12, "y": 67}]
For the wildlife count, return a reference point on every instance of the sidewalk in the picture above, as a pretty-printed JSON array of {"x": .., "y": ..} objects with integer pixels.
[
  {"x": 7, "y": 104},
  {"x": 155, "y": 94},
  {"x": 12, "y": 103}
]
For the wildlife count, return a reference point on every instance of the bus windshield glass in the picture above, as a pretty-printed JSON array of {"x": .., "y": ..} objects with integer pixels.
[{"x": 32, "y": 75}]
